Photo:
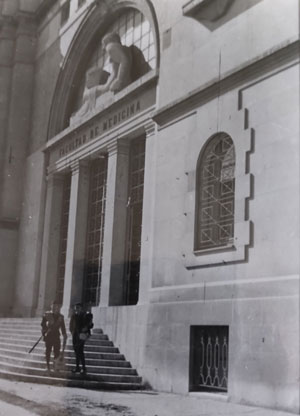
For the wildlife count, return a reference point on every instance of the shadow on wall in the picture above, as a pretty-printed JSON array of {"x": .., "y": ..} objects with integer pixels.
[{"x": 213, "y": 14}]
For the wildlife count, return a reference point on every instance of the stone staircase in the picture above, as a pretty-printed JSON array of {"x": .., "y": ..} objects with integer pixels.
[{"x": 106, "y": 367}]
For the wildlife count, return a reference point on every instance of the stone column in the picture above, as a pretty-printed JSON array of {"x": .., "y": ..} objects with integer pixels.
[
  {"x": 112, "y": 282},
  {"x": 7, "y": 44},
  {"x": 77, "y": 228},
  {"x": 8, "y": 226},
  {"x": 17, "y": 134},
  {"x": 147, "y": 220},
  {"x": 51, "y": 242},
  {"x": 17, "y": 49}
]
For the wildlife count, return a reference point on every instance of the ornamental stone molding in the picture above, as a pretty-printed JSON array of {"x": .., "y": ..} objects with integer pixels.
[
  {"x": 243, "y": 139},
  {"x": 150, "y": 129},
  {"x": 97, "y": 20}
]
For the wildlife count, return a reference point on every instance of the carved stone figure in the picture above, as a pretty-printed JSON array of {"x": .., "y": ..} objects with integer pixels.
[
  {"x": 94, "y": 77},
  {"x": 121, "y": 61},
  {"x": 128, "y": 64},
  {"x": 99, "y": 82}
]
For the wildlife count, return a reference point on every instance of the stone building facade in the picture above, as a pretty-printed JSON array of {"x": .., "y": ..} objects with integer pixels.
[{"x": 170, "y": 201}]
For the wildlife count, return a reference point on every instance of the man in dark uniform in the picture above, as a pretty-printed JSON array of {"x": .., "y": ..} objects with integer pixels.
[
  {"x": 80, "y": 325},
  {"x": 89, "y": 317},
  {"x": 53, "y": 324}
]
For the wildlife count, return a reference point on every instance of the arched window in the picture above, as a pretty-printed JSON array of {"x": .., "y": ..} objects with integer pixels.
[{"x": 215, "y": 194}]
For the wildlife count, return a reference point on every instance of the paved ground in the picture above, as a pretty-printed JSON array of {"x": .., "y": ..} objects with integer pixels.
[{"x": 25, "y": 399}]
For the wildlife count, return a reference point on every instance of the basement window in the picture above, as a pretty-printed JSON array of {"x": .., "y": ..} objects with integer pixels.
[{"x": 209, "y": 348}]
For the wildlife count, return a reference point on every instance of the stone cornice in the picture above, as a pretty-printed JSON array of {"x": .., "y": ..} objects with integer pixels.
[
  {"x": 271, "y": 61},
  {"x": 147, "y": 81},
  {"x": 150, "y": 128}
]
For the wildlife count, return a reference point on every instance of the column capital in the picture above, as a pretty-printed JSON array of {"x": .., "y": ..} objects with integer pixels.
[
  {"x": 118, "y": 146},
  {"x": 54, "y": 177},
  {"x": 150, "y": 128},
  {"x": 77, "y": 165}
]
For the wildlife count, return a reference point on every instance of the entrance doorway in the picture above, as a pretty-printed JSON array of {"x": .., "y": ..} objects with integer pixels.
[
  {"x": 63, "y": 239},
  {"x": 95, "y": 232},
  {"x": 134, "y": 220}
]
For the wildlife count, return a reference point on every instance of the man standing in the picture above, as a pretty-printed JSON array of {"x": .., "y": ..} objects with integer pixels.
[
  {"x": 80, "y": 326},
  {"x": 53, "y": 324}
]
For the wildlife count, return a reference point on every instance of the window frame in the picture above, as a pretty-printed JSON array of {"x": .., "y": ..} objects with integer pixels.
[
  {"x": 236, "y": 126},
  {"x": 211, "y": 143}
]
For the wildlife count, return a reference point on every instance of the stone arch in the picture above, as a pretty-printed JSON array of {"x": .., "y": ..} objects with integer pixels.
[{"x": 99, "y": 17}]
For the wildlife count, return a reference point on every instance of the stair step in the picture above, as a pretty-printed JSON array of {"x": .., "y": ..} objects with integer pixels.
[
  {"x": 93, "y": 369},
  {"x": 93, "y": 340},
  {"x": 106, "y": 367},
  {"x": 26, "y": 345},
  {"x": 69, "y": 351},
  {"x": 36, "y": 332},
  {"x": 69, "y": 358},
  {"x": 119, "y": 378},
  {"x": 75, "y": 382},
  {"x": 31, "y": 321}
]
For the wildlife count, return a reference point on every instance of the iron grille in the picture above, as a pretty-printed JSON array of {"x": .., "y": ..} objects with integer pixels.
[
  {"x": 63, "y": 238},
  {"x": 95, "y": 232},
  {"x": 216, "y": 184},
  {"x": 135, "y": 212},
  {"x": 209, "y": 358}
]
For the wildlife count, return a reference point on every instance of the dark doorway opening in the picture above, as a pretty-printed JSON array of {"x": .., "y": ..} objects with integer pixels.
[{"x": 134, "y": 220}]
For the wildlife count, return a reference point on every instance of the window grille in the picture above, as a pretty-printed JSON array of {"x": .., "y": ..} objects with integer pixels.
[
  {"x": 209, "y": 358},
  {"x": 135, "y": 212},
  {"x": 95, "y": 231},
  {"x": 63, "y": 238},
  {"x": 215, "y": 189}
]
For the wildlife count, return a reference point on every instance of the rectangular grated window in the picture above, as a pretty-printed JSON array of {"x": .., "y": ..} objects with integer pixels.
[
  {"x": 63, "y": 238},
  {"x": 135, "y": 214},
  {"x": 95, "y": 232},
  {"x": 209, "y": 358}
]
